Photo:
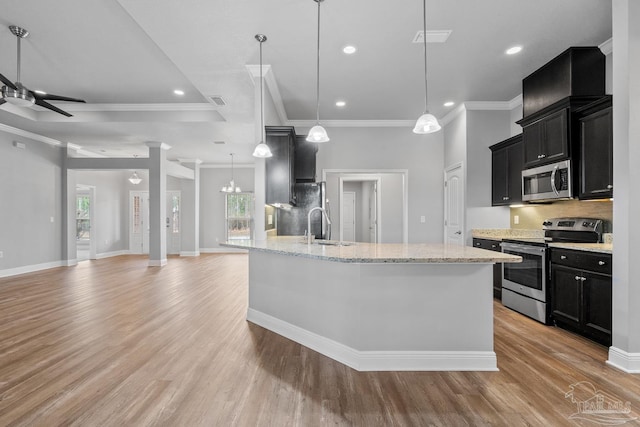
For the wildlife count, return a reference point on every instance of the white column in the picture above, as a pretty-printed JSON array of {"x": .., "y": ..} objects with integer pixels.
[
  {"x": 157, "y": 203},
  {"x": 190, "y": 210},
  {"x": 625, "y": 350}
]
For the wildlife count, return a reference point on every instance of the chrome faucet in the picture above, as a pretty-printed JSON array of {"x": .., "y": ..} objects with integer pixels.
[{"x": 324, "y": 212}]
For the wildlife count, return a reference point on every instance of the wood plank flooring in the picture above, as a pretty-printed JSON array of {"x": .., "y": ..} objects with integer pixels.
[{"x": 116, "y": 343}]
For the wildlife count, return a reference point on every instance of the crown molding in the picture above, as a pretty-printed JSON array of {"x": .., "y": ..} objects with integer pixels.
[
  {"x": 352, "y": 123},
  {"x": 30, "y": 135},
  {"x": 607, "y": 46},
  {"x": 448, "y": 118},
  {"x": 228, "y": 166},
  {"x": 157, "y": 144},
  {"x": 142, "y": 107},
  {"x": 487, "y": 105},
  {"x": 272, "y": 86},
  {"x": 515, "y": 102},
  {"x": 191, "y": 161}
]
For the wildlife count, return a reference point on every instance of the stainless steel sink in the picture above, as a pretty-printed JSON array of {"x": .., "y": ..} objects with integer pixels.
[{"x": 333, "y": 243}]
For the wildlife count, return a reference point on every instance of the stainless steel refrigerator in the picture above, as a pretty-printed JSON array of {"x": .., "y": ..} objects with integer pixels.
[{"x": 293, "y": 221}]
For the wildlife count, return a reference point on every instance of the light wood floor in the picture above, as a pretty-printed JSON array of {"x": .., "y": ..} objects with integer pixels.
[{"x": 116, "y": 343}]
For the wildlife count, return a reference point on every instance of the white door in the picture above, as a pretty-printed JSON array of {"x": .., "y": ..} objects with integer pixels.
[
  {"x": 139, "y": 215},
  {"x": 454, "y": 205},
  {"x": 173, "y": 222},
  {"x": 373, "y": 212},
  {"x": 85, "y": 214},
  {"x": 349, "y": 216}
]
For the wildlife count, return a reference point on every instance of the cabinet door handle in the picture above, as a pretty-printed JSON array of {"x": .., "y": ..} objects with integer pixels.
[
  {"x": 563, "y": 257},
  {"x": 477, "y": 244},
  {"x": 577, "y": 278},
  {"x": 601, "y": 263},
  {"x": 582, "y": 279},
  {"x": 494, "y": 246},
  {"x": 609, "y": 186},
  {"x": 542, "y": 156},
  {"x": 505, "y": 198}
]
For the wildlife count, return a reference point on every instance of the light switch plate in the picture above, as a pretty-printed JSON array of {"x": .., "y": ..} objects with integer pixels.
[
  {"x": 423, "y": 219},
  {"x": 1, "y": 254}
]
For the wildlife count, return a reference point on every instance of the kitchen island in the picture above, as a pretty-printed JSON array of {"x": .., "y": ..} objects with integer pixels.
[{"x": 377, "y": 307}]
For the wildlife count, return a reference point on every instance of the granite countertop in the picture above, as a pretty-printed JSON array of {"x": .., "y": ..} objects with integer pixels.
[
  {"x": 376, "y": 252},
  {"x": 500, "y": 234},
  {"x": 604, "y": 248}
]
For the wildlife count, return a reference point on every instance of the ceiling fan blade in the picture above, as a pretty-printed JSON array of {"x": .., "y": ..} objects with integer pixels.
[
  {"x": 52, "y": 97},
  {"x": 45, "y": 104},
  {"x": 2, "y": 101},
  {"x": 8, "y": 82}
]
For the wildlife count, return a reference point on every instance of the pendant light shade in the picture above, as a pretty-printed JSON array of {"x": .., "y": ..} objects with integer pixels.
[
  {"x": 135, "y": 179},
  {"x": 262, "y": 150},
  {"x": 231, "y": 188},
  {"x": 426, "y": 123},
  {"x": 318, "y": 133}
]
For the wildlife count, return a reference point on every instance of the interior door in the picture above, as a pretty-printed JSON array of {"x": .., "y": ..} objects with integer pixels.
[
  {"x": 173, "y": 222},
  {"x": 139, "y": 229},
  {"x": 454, "y": 205},
  {"x": 349, "y": 216}
]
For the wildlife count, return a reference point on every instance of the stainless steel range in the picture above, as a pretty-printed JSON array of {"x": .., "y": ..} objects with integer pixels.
[{"x": 524, "y": 285}]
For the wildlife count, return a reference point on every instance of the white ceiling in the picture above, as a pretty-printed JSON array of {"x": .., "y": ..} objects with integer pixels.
[{"x": 125, "y": 58}]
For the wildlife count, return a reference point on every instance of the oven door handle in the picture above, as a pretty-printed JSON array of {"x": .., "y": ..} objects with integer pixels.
[
  {"x": 553, "y": 180},
  {"x": 532, "y": 250}
]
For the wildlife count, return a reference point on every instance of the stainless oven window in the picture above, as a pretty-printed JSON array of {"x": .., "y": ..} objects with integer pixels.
[{"x": 527, "y": 273}]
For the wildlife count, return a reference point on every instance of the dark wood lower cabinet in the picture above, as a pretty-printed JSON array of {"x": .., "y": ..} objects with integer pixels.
[
  {"x": 492, "y": 245},
  {"x": 581, "y": 299}
]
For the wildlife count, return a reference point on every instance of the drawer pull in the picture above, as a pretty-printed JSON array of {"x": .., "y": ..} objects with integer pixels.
[
  {"x": 577, "y": 278},
  {"x": 601, "y": 263},
  {"x": 477, "y": 244},
  {"x": 563, "y": 257}
]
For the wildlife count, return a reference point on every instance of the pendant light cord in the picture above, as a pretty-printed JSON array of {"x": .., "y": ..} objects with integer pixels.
[
  {"x": 424, "y": 38},
  {"x": 318, "y": 69},
  {"x": 19, "y": 58},
  {"x": 261, "y": 100}
]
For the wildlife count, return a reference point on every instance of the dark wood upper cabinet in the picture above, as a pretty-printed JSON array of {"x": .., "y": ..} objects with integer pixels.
[
  {"x": 596, "y": 150},
  {"x": 547, "y": 139},
  {"x": 305, "y": 168},
  {"x": 280, "y": 168},
  {"x": 506, "y": 171},
  {"x": 578, "y": 71}
]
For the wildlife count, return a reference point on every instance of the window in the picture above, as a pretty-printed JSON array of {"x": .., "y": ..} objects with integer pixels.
[
  {"x": 83, "y": 222},
  {"x": 239, "y": 208}
]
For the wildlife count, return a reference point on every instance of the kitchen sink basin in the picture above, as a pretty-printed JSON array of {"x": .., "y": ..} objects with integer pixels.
[{"x": 333, "y": 243}]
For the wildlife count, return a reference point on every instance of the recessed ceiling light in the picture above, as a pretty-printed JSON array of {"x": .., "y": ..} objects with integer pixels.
[
  {"x": 178, "y": 92},
  {"x": 340, "y": 103},
  {"x": 513, "y": 50},
  {"x": 349, "y": 49},
  {"x": 449, "y": 103}
]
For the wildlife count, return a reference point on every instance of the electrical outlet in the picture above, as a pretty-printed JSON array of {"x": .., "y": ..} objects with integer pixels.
[
  {"x": 52, "y": 220},
  {"x": 516, "y": 219}
]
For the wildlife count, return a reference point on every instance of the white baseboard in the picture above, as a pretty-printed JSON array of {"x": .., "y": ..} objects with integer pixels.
[
  {"x": 222, "y": 250},
  {"x": 627, "y": 362},
  {"x": 112, "y": 254},
  {"x": 32, "y": 268},
  {"x": 157, "y": 262},
  {"x": 378, "y": 360},
  {"x": 190, "y": 253}
]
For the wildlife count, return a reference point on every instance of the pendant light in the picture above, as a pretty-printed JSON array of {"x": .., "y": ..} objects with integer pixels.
[
  {"x": 231, "y": 188},
  {"x": 262, "y": 149},
  {"x": 426, "y": 123},
  {"x": 135, "y": 179},
  {"x": 318, "y": 133}
]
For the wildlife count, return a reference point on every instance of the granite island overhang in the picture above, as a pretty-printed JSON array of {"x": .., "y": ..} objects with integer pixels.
[{"x": 378, "y": 307}]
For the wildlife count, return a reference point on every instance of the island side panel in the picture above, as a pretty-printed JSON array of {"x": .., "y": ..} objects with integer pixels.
[{"x": 396, "y": 316}]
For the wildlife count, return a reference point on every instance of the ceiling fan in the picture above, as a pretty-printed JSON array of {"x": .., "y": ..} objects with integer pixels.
[{"x": 17, "y": 94}]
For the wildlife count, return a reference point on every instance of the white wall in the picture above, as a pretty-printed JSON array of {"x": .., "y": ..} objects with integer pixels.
[
  {"x": 212, "y": 202},
  {"x": 30, "y": 195},
  {"x": 110, "y": 208},
  {"x": 394, "y": 148}
]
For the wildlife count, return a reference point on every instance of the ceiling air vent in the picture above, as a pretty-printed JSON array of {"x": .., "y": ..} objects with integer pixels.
[
  {"x": 219, "y": 142},
  {"x": 434, "y": 36},
  {"x": 218, "y": 100}
]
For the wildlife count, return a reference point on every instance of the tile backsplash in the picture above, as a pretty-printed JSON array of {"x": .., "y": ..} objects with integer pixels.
[{"x": 532, "y": 215}]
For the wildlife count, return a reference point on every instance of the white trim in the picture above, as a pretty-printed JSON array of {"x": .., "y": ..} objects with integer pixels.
[
  {"x": 223, "y": 250},
  {"x": 113, "y": 253},
  {"x": 488, "y": 105},
  {"x": 35, "y": 267},
  {"x": 228, "y": 166},
  {"x": 378, "y": 360},
  {"x": 158, "y": 144},
  {"x": 30, "y": 135},
  {"x": 515, "y": 102},
  {"x": 189, "y": 253},
  {"x": 157, "y": 262},
  {"x": 627, "y": 362},
  {"x": 190, "y": 161},
  {"x": 353, "y": 123},
  {"x": 142, "y": 107},
  {"x": 271, "y": 85},
  {"x": 453, "y": 114},
  {"x": 606, "y": 46}
]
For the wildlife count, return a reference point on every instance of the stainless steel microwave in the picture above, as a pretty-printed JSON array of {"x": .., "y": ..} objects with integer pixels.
[{"x": 547, "y": 182}]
